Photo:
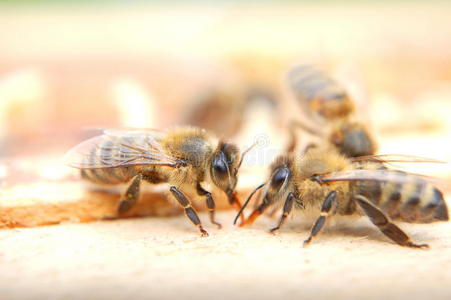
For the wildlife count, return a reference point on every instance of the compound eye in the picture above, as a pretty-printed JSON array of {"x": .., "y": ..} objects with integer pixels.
[
  {"x": 279, "y": 178},
  {"x": 219, "y": 166}
]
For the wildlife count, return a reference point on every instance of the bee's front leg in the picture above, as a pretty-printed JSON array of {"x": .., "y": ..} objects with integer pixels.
[
  {"x": 131, "y": 195},
  {"x": 189, "y": 210},
  {"x": 210, "y": 203},
  {"x": 287, "y": 207}
]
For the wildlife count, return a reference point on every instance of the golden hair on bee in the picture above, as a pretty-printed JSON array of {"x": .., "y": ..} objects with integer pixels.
[
  {"x": 319, "y": 162},
  {"x": 332, "y": 184},
  {"x": 182, "y": 157}
]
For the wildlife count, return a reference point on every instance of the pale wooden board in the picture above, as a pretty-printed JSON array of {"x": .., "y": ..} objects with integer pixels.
[{"x": 165, "y": 258}]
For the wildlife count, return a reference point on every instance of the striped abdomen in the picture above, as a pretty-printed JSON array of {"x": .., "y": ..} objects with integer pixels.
[
  {"x": 414, "y": 201},
  {"x": 317, "y": 93},
  {"x": 109, "y": 175},
  {"x": 105, "y": 154}
]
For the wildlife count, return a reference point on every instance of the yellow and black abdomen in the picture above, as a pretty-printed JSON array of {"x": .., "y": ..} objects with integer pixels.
[
  {"x": 319, "y": 94},
  {"x": 115, "y": 175},
  {"x": 414, "y": 200},
  {"x": 417, "y": 202}
]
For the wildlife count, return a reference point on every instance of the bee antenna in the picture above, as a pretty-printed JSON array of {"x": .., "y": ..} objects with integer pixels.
[
  {"x": 245, "y": 152},
  {"x": 247, "y": 201}
]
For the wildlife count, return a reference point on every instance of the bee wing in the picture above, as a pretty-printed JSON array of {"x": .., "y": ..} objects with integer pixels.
[
  {"x": 381, "y": 176},
  {"x": 115, "y": 150},
  {"x": 396, "y": 158},
  {"x": 151, "y": 136}
]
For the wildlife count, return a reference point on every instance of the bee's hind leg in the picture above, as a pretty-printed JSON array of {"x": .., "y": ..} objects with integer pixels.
[
  {"x": 321, "y": 221},
  {"x": 189, "y": 210},
  {"x": 384, "y": 223},
  {"x": 210, "y": 204},
  {"x": 131, "y": 195}
]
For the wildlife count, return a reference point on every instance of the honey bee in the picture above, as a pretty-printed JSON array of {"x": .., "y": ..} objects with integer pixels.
[
  {"x": 328, "y": 105},
  {"x": 217, "y": 110},
  {"x": 184, "y": 158},
  {"x": 225, "y": 112},
  {"x": 327, "y": 183}
]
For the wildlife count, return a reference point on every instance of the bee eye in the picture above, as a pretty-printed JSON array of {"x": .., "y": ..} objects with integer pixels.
[
  {"x": 219, "y": 166},
  {"x": 279, "y": 178}
]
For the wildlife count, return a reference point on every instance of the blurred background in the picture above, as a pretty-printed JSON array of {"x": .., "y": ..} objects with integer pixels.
[{"x": 67, "y": 66}]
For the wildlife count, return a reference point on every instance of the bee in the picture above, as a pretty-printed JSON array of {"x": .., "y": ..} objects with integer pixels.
[
  {"x": 328, "y": 105},
  {"x": 226, "y": 112},
  {"x": 217, "y": 110},
  {"x": 184, "y": 158},
  {"x": 328, "y": 184}
]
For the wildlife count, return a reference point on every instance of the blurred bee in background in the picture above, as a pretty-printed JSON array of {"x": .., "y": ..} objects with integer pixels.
[
  {"x": 225, "y": 112},
  {"x": 332, "y": 111},
  {"x": 184, "y": 158},
  {"x": 327, "y": 183},
  {"x": 217, "y": 110}
]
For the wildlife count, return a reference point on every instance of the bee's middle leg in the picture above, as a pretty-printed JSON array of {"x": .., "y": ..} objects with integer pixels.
[
  {"x": 293, "y": 137},
  {"x": 321, "y": 221},
  {"x": 210, "y": 204},
  {"x": 131, "y": 195},
  {"x": 189, "y": 210}
]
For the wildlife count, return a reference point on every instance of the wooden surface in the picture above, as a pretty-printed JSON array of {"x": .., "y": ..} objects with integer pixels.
[
  {"x": 71, "y": 203},
  {"x": 165, "y": 258}
]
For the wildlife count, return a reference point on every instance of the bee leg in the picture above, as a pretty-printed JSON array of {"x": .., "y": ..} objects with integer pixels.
[
  {"x": 189, "y": 210},
  {"x": 131, "y": 195},
  {"x": 292, "y": 127},
  {"x": 286, "y": 212},
  {"x": 210, "y": 204},
  {"x": 255, "y": 214},
  {"x": 384, "y": 223},
  {"x": 325, "y": 211}
]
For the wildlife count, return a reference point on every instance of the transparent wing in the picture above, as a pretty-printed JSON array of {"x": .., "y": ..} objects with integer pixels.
[
  {"x": 117, "y": 148},
  {"x": 381, "y": 176},
  {"x": 396, "y": 158}
]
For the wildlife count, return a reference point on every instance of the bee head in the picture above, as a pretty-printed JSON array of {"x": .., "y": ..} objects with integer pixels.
[
  {"x": 278, "y": 182},
  {"x": 276, "y": 188},
  {"x": 224, "y": 167}
]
